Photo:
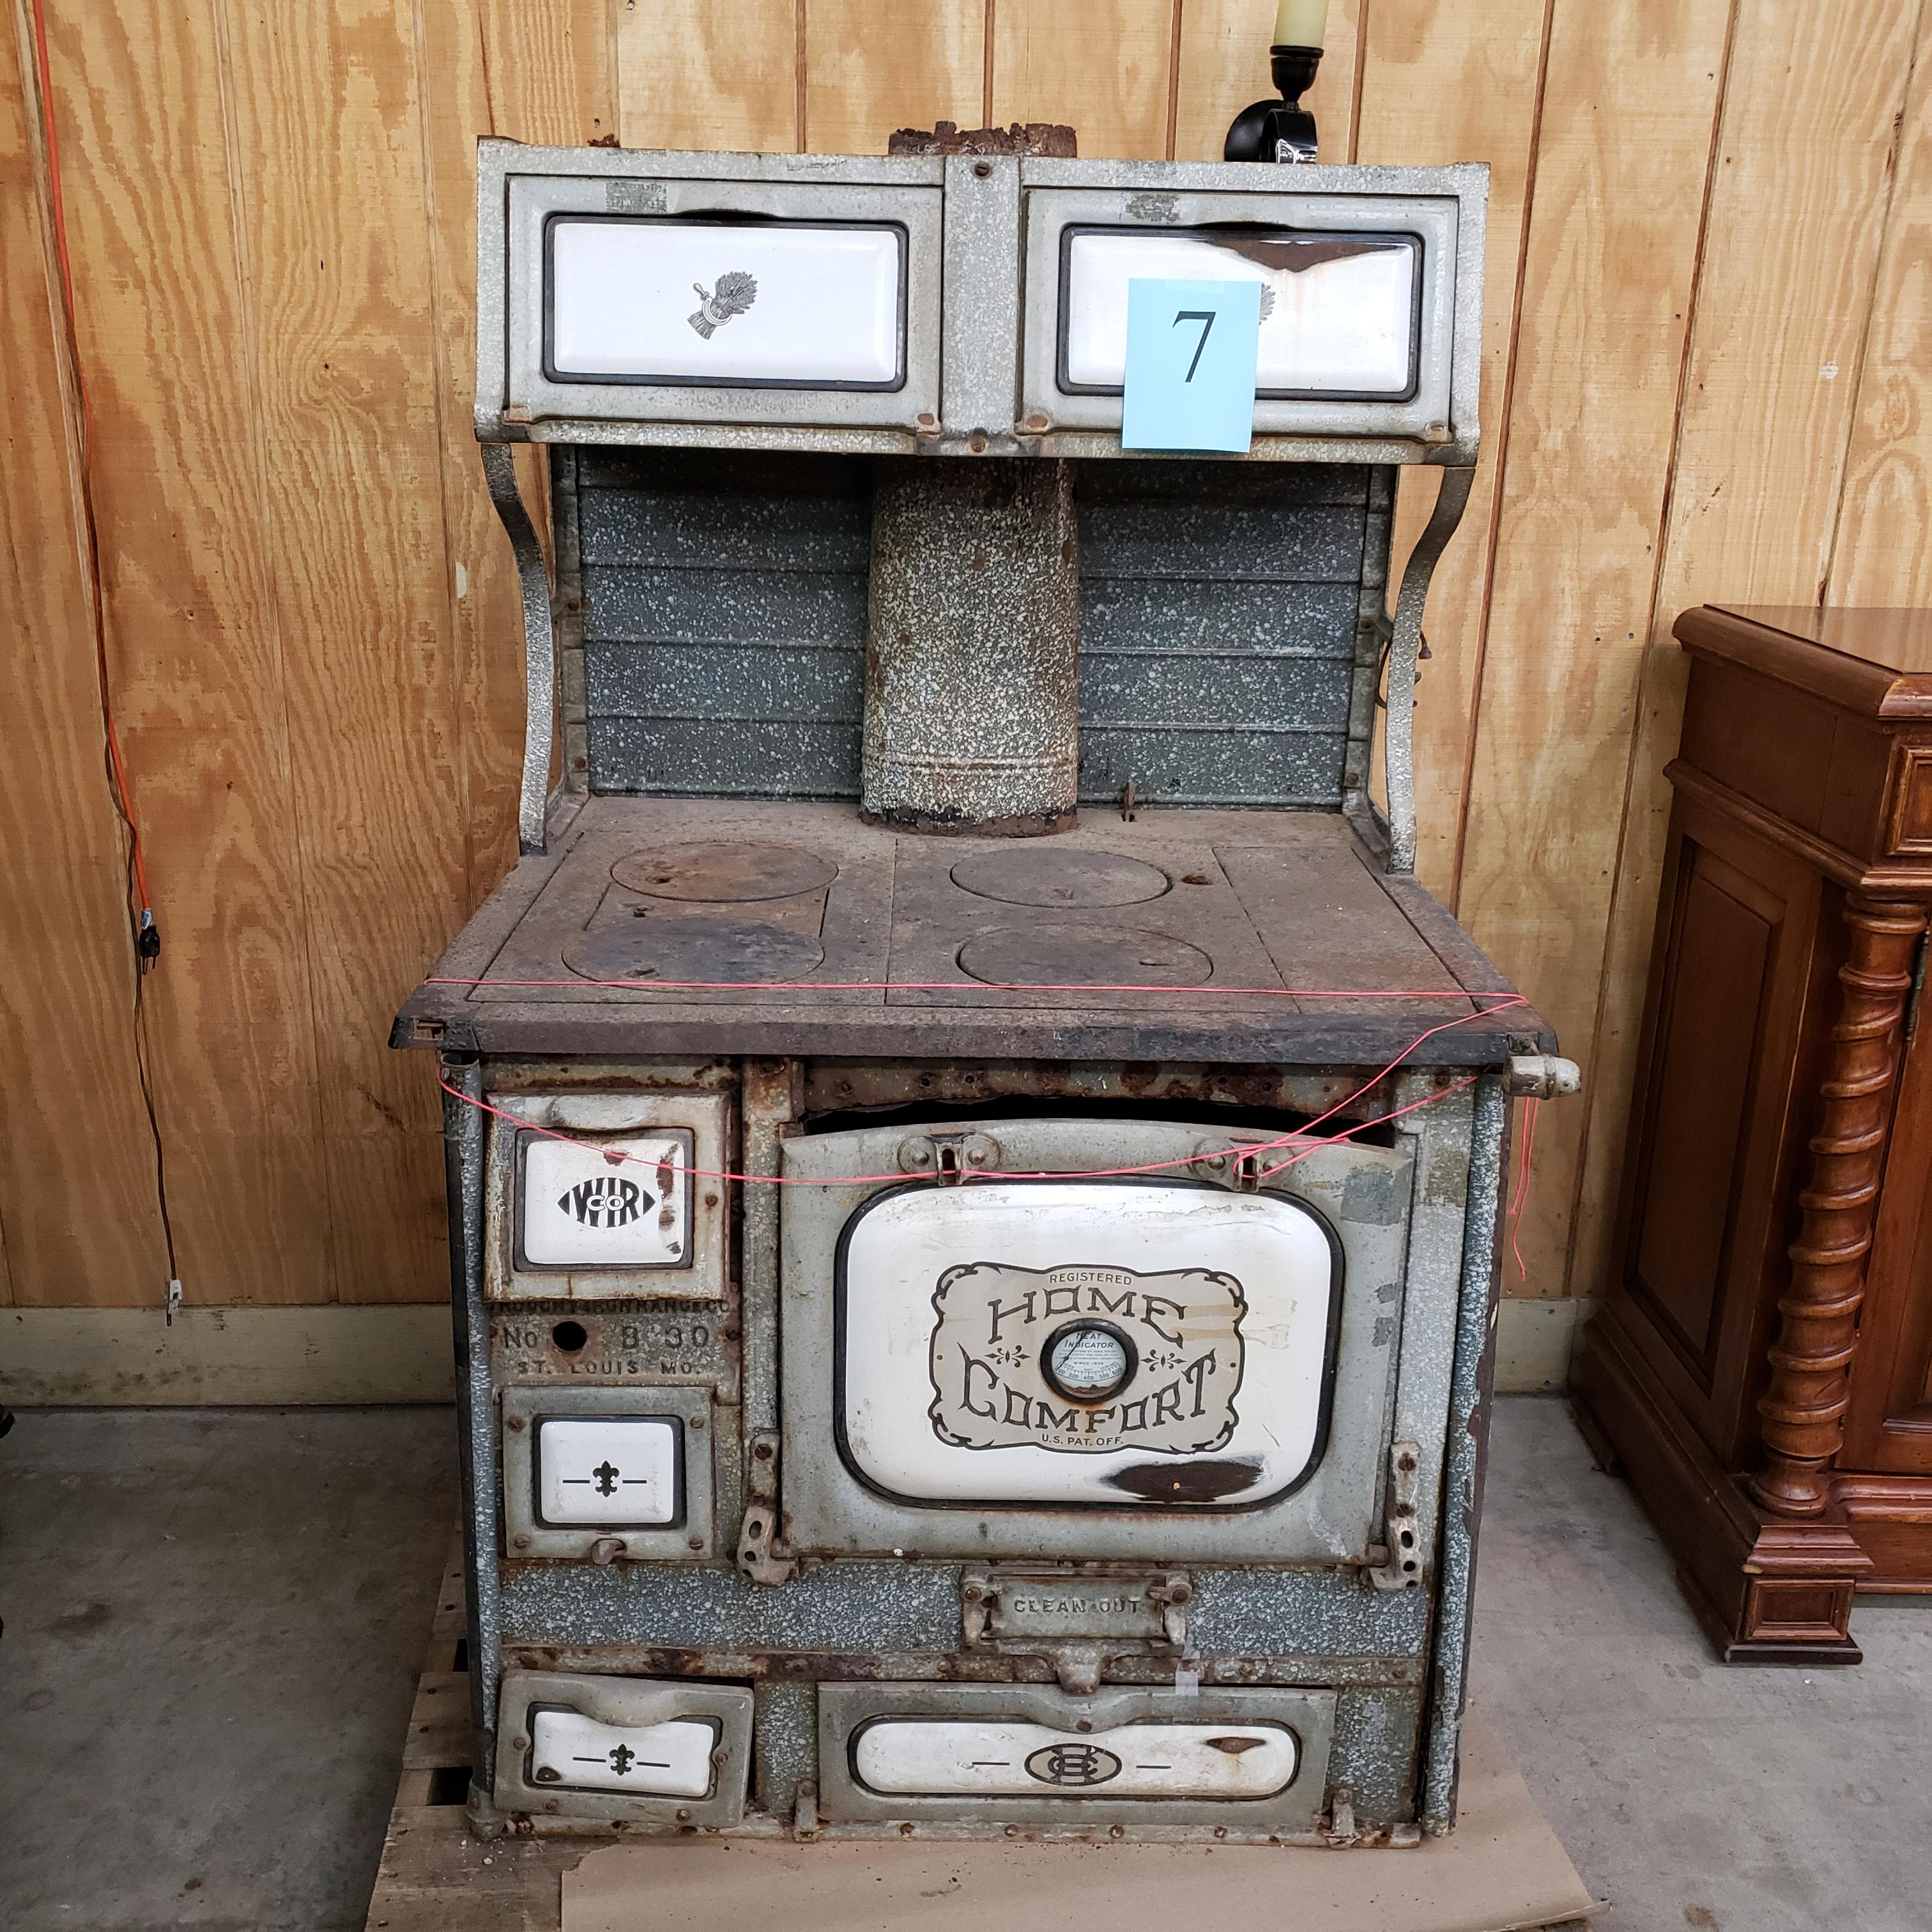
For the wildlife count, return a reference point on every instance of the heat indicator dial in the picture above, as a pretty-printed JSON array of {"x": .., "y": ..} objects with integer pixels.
[{"x": 1090, "y": 1361}]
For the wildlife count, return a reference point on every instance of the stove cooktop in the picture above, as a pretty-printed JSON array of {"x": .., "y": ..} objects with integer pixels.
[{"x": 654, "y": 926}]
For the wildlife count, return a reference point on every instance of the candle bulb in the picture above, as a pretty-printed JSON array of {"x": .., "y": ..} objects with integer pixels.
[
  {"x": 1283, "y": 130},
  {"x": 1300, "y": 23}
]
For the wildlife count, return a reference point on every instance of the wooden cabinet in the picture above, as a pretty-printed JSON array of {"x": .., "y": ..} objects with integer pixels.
[{"x": 1761, "y": 1366}]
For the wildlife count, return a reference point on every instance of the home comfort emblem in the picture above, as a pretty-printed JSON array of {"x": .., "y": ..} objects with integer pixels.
[
  {"x": 1086, "y": 1360},
  {"x": 604, "y": 1200},
  {"x": 735, "y": 293},
  {"x": 1074, "y": 1765}
]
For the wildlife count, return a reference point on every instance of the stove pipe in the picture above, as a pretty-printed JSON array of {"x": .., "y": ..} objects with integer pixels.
[{"x": 972, "y": 660}]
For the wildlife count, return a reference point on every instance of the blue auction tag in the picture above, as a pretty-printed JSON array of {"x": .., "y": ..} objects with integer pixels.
[{"x": 1191, "y": 351}]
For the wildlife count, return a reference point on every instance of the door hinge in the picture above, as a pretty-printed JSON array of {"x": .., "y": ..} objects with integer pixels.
[
  {"x": 1401, "y": 1567},
  {"x": 762, "y": 1554}
]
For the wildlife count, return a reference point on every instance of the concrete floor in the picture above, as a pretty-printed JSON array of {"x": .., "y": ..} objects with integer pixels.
[
  {"x": 215, "y": 1618},
  {"x": 1691, "y": 1794}
]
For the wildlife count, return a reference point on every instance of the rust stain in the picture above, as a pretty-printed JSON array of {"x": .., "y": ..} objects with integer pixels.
[{"x": 1194, "y": 1482}]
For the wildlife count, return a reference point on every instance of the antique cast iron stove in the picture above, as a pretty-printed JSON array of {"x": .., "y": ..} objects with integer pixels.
[{"x": 973, "y": 1165}]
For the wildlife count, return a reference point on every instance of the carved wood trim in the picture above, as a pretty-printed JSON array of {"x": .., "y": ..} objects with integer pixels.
[{"x": 1810, "y": 1361}]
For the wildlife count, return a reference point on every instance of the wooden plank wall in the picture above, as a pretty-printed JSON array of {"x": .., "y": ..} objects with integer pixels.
[{"x": 1708, "y": 374}]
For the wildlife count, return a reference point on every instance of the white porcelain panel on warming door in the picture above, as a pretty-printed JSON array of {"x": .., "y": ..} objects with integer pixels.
[
  {"x": 948, "y": 1757},
  {"x": 803, "y": 304},
  {"x": 1085, "y": 1342},
  {"x": 1338, "y": 313}
]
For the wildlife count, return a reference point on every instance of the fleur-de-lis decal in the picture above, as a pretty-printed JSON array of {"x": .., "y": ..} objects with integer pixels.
[{"x": 735, "y": 293}]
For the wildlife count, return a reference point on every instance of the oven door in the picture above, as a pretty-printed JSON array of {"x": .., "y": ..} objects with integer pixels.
[{"x": 1051, "y": 1356}]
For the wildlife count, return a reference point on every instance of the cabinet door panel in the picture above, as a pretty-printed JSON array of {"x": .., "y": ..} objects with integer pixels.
[
  {"x": 1721, "y": 957},
  {"x": 1717, "y": 1135}
]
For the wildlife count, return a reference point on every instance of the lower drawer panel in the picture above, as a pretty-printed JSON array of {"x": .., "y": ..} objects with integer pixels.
[
  {"x": 623, "y": 1748},
  {"x": 1256, "y": 1761}
]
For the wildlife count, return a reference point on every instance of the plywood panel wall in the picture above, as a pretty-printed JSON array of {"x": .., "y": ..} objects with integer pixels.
[{"x": 1706, "y": 359}]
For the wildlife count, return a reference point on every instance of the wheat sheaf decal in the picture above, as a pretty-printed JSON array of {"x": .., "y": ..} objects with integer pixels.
[{"x": 735, "y": 293}]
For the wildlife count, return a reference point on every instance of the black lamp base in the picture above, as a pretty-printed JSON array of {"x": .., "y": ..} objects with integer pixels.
[{"x": 1283, "y": 130}]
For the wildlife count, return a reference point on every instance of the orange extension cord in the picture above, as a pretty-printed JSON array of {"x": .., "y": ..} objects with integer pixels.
[{"x": 146, "y": 934}]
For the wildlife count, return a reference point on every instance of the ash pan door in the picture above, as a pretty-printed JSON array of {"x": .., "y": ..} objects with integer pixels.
[{"x": 1251, "y": 1762}]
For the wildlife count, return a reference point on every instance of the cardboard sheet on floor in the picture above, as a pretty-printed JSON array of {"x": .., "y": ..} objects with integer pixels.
[{"x": 1502, "y": 1870}]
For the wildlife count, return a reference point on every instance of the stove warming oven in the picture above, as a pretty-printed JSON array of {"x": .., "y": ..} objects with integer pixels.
[{"x": 973, "y": 1165}]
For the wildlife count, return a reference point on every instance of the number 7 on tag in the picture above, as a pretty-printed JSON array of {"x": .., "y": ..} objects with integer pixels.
[{"x": 1191, "y": 354}]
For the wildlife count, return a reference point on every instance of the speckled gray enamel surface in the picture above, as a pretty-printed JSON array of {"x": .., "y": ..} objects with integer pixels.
[
  {"x": 1219, "y": 611},
  {"x": 775, "y": 683},
  {"x": 1220, "y": 617},
  {"x": 786, "y": 1744},
  {"x": 724, "y": 603},
  {"x": 862, "y": 1606},
  {"x": 1262, "y": 1613},
  {"x": 1470, "y": 1395},
  {"x": 882, "y": 1606},
  {"x": 724, "y": 610},
  {"x": 1374, "y": 1751},
  {"x": 971, "y": 697}
]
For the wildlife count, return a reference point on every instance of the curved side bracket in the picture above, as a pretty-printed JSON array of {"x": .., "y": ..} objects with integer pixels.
[
  {"x": 1399, "y": 736},
  {"x": 500, "y": 471}
]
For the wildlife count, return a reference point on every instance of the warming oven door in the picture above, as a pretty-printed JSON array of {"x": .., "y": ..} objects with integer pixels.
[
  {"x": 634, "y": 299},
  {"x": 1048, "y": 1358},
  {"x": 1358, "y": 300}
]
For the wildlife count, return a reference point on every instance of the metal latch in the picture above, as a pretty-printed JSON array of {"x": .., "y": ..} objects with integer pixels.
[
  {"x": 1173, "y": 1594},
  {"x": 1237, "y": 1167},
  {"x": 762, "y": 1554},
  {"x": 949, "y": 1158},
  {"x": 1077, "y": 1620},
  {"x": 1401, "y": 1568},
  {"x": 1341, "y": 1832}
]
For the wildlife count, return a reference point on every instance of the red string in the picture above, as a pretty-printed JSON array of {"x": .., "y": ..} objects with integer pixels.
[
  {"x": 617, "y": 1157},
  {"x": 1502, "y": 1000},
  {"x": 1521, "y": 1195}
]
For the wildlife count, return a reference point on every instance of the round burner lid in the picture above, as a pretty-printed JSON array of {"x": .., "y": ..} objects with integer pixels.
[
  {"x": 727, "y": 949},
  {"x": 724, "y": 871},
  {"x": 1048, "y": 876},
  {"x": 1083, "y": 955}
]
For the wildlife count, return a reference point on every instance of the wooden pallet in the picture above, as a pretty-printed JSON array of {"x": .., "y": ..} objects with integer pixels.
[{"x": 434, "y": 1875}]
